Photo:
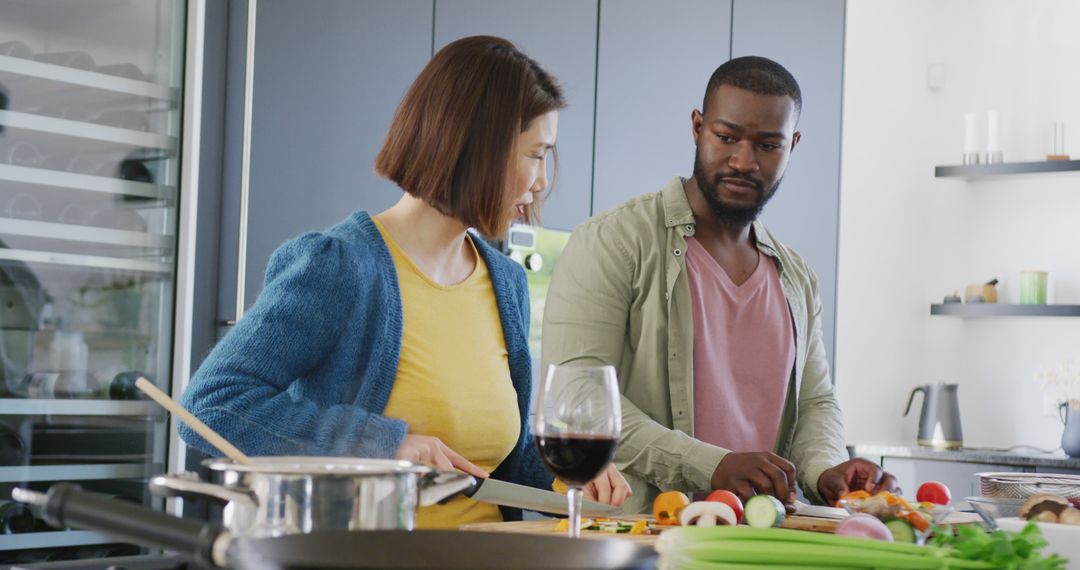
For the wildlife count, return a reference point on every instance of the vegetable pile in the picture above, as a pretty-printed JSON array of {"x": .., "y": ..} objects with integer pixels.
[{"x": 741, "y": 547}]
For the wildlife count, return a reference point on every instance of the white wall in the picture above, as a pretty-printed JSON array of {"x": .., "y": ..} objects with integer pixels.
[{"x": 907, "y": 238}]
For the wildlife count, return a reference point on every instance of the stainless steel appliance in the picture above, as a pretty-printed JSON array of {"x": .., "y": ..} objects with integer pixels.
[
  {"x": 98, "y": 105},
  {"x": 939, "y": 420}
]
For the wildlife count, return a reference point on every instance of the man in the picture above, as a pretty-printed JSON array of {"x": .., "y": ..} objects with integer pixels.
[{"x": 714, "y": 326}]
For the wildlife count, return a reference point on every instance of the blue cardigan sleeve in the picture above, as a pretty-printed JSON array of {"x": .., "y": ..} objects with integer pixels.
[{"x": 242, "y": 390}]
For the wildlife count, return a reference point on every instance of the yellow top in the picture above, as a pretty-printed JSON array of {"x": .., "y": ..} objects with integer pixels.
[{"x": 453, "y": 378}]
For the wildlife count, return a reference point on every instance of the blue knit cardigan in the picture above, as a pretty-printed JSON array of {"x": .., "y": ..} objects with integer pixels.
[{"x": 310, "y": 367}]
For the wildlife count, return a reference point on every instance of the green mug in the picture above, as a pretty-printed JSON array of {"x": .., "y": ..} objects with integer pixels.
[{"x": 1032, "y": 287}]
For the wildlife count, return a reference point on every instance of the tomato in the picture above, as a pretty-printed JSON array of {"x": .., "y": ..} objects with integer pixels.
[
  {"x": 730, "y": 499},
  {"x": 933, "y": 492},
  {"x": 668, "y": 505}
]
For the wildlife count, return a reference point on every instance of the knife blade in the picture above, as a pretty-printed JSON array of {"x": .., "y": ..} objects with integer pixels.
[
  {"x": 819, "y": 511},
  {"x": 522, "y": 497}
]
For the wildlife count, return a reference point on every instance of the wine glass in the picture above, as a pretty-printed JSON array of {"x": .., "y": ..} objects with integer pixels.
[{"x": 577, "y": 425}]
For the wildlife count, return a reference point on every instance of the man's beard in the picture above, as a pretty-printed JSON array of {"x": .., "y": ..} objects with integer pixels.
[{"x": 725, "y": 213}]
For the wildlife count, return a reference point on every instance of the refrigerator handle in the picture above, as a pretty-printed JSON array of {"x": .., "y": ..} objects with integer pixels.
[{"x": 245, "y": 162}]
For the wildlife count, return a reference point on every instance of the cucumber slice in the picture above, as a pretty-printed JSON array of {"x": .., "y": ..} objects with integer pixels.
[
  {"x": 901, "y": 530},
  {"x": 763, "y": 511}
]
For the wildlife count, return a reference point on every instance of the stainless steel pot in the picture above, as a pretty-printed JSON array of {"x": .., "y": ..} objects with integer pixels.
[{"x": 298, "y": 495}]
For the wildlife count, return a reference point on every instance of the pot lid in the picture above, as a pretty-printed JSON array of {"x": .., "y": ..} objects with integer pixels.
[{"x": 318, "y": 465}]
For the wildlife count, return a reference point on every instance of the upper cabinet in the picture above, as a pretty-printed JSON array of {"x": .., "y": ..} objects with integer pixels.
[
  {"x": 327, "y": 82},
  {"x": 654, "y": 60},
  {"x": 561, "y": 36}
]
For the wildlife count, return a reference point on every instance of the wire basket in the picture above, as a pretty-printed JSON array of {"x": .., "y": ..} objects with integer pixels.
[{"x": 1024, "y": 485}]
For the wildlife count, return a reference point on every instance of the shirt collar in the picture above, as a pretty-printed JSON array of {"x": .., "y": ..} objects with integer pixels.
[{"x": 678, "y": 212}]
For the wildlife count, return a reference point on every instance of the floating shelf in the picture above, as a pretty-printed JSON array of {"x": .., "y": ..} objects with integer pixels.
[
  {"x": 1003, "y": 310},
  {"x": 41, "y": 70},
  {"x": 52, "y": 125},
  {"x": 78, "y": 472},
  {"x": 981, "y": 170},
  {"x": 53, "y": 539},
  {"x": 79, "y": 260},
  {"x": 43, "y": 177},
  {"x": 31, "y": 407},
  {"x": 86, "y": 234}
]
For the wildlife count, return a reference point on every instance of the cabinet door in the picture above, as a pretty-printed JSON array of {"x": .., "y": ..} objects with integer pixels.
[
  {"x": 654, "y": 60},
  {"x": 561, "y": 36},
  {"x": 327, "y": 82},
  {"x": 958, "y": 477},
  {"x": 808, "y": 39}
]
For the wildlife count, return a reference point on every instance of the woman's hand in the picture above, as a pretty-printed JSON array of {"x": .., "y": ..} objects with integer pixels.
[
  {"x": 433, "y": 452},
  {"x": 609, "y": 488}
]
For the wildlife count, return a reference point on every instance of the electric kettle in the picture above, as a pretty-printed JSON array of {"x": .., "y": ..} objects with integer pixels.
[{"x": 939, "y": 422}]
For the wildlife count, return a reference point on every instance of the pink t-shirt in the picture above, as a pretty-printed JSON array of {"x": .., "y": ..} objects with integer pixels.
[{"x": 744, "y": 351}]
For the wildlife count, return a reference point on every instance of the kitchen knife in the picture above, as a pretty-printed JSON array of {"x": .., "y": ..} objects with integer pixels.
[
  {"x": 818, "y": 511},
  {"x": 522, "y": 497}
]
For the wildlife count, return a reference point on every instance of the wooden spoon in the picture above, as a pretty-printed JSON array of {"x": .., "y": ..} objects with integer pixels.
[{"x": 193, "y": 422}]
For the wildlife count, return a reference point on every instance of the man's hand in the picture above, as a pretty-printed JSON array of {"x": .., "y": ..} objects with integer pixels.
[
  {"x": 854, "y": 475},
  {"x": 609, "y": 488},
  {"x": 756, "y": 473},
  {"x": 433, "y": 452}
]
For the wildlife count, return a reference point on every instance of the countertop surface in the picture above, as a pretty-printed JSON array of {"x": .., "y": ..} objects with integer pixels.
[{"x": 1021, "y": 456}]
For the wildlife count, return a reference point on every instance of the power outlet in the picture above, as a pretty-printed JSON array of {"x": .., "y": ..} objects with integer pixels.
[{"x": 1050, "y": 406}]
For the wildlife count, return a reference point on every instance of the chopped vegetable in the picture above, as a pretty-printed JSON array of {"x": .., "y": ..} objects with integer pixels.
[
  {"x": 743, "y": 547},
  {"x": 667, "y": 506},
  {"x": 902, "y": 530},
  {"x": 730, "y": 499},
  {"x": 564, "y": 524},
  {"x": 707, "y": 513},
  {"x": 764, "y": 511},
  {"x": 933, "y": 492},
  {"x": 862, "y": 525}
]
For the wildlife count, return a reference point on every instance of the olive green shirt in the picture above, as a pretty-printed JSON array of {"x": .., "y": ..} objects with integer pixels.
[{"x": 620, "y": 296}]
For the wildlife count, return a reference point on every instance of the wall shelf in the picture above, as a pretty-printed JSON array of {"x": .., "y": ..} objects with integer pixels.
[
  {"x": 1003, "y": 310},
  {"x": 982, "y": 170},
  {"x": 85, "y": 234}
]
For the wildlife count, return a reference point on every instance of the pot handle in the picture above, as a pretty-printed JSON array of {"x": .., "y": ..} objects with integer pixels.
[
  {"x": 189, "y": 486},
  {"x": 66, "y": 504},
  {"x": 440, "y": 486}
]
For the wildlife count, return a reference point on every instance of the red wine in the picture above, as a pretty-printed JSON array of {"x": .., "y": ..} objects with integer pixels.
[{"x": 576, "y": 459}]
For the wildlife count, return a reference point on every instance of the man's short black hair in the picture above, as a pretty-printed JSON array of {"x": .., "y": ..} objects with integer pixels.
[{"x": 757, "y": 75}]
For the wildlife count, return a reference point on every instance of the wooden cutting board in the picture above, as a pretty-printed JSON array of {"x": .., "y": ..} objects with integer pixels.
[{"x": 547, "y": 526}]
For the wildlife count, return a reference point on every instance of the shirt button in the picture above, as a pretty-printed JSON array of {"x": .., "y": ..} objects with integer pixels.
[
  {"x": 677, "y": 252},
  {"x": 690, "y": 229},
  {"x": 667, "y": 296}
]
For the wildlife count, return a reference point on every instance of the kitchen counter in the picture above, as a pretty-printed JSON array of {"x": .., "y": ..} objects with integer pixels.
[{"x": 1020, "y": 457}]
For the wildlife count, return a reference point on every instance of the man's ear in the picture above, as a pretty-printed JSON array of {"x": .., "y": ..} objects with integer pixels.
[
  {"x": 795, "y": 138},
  {"x": 696, "y": 121}
]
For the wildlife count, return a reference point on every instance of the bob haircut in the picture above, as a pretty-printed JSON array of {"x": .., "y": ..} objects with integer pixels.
[{"x": 452, "y": 139}]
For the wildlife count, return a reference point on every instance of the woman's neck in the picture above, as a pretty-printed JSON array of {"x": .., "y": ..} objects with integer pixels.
[{"x": 436, "y": 243}]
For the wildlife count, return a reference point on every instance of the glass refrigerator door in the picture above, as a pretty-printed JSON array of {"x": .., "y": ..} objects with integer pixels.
[{"x": 90, "y": 124}]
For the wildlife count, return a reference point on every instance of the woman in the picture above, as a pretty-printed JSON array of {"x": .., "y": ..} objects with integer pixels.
[{"x": 401, "y": 335}]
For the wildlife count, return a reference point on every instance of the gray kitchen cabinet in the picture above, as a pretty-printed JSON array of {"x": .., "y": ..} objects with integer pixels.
[
  {"x": 808, "y": 39},
  {"x": 326, "y": 84},
  {"x": 654, "y": 60},
  {"x": 561, "y": 36},
  {"x": 958, "y": 476}
]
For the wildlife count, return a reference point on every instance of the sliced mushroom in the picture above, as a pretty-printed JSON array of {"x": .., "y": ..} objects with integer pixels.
[
  {"x": 707, "y": 513},
  {"x": 1038, "y": 504},
  {"x": 1070, "y": 515}
]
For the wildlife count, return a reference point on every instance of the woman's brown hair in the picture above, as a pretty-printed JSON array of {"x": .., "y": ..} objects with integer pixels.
[{"x": 453, "y": 135}]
